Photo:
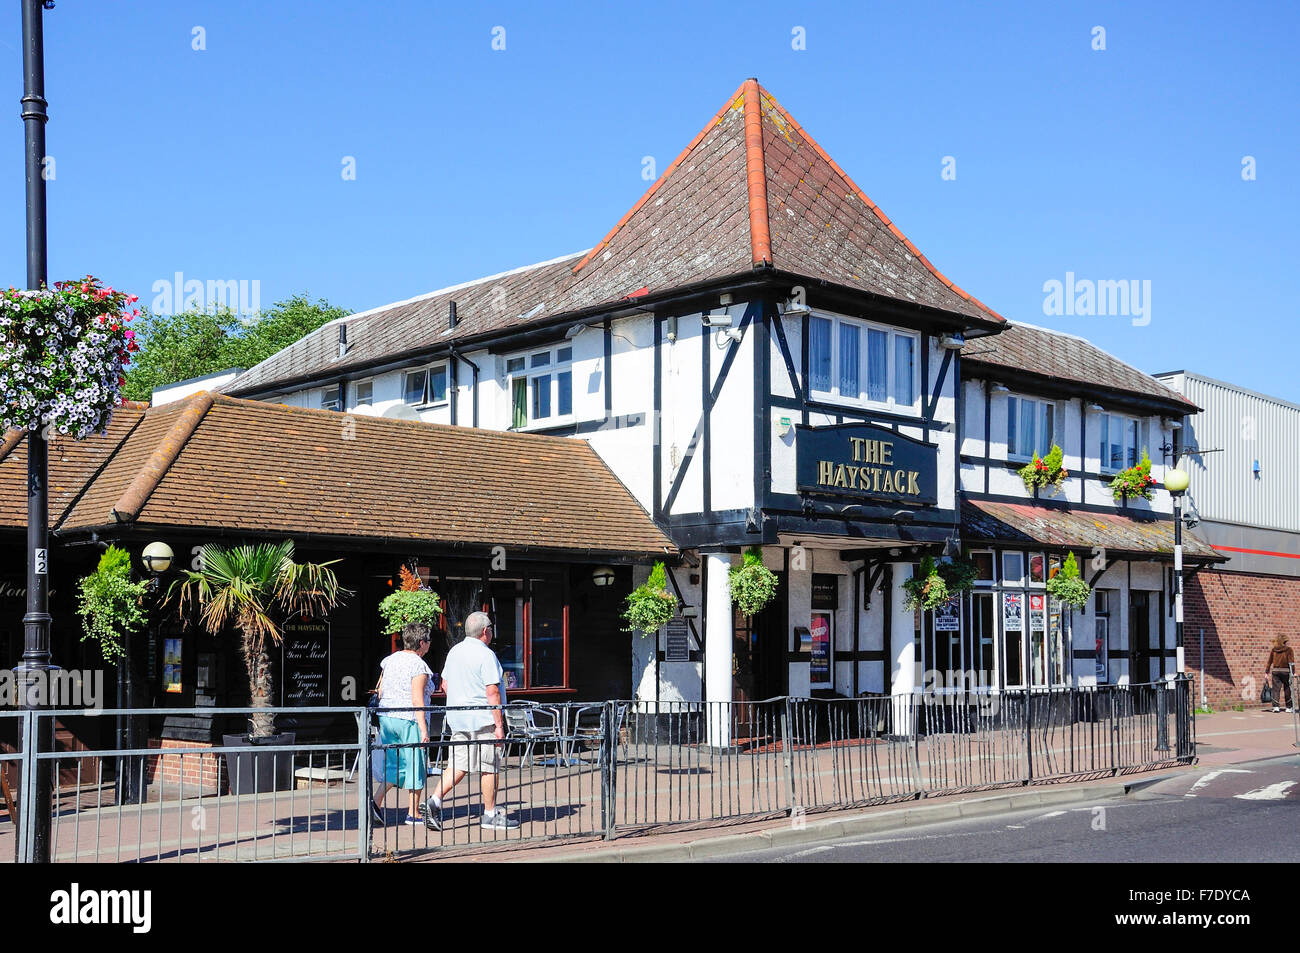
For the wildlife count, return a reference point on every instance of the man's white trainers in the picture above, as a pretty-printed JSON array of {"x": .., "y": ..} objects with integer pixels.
[{"x": 497, "y": 821}]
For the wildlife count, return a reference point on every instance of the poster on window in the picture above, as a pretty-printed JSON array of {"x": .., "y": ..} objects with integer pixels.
[
  {"x": 1012, "y": 611},
  {"x": 1037, "y": 613},
  {"x": 947, "y": 618},
  {"x": 819, "y": 669},
  {"x": 172, "y": 658}
]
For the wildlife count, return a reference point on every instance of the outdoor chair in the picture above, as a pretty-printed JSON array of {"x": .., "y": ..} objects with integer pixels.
[
  {"x": 522, "y": 727},
  {"x": 587, "y": 725}
]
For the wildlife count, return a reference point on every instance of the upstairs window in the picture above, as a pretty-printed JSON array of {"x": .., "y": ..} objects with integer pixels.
[
  {"x": 1031, "y": 427},
  {"x": 331, "y": 398},
  {"x": 541, "y": 387},
  {"x": 1120, "y": 437},
  {"x": 855, "y": 362},
  {"x": 426, "y": 387},
  {"x": 365, "y": 393}
]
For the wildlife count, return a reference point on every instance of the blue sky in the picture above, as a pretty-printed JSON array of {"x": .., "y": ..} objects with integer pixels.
[{"x": 225, "y": 163}]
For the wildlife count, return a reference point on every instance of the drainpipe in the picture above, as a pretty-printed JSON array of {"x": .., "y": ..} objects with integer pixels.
[{"x": 457, "y": 356}]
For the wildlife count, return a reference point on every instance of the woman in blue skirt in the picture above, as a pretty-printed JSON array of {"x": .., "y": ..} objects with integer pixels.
[{"x": 406, "y": 682}]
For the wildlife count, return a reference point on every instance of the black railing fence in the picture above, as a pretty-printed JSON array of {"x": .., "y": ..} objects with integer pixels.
[{"x": 602, "y": 770}]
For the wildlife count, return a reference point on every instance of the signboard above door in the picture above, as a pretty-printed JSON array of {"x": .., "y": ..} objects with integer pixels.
[{"x": 867, "y": 462}]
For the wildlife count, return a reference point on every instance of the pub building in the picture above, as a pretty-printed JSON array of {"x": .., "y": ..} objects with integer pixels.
[{"x": 753, "y": 356}]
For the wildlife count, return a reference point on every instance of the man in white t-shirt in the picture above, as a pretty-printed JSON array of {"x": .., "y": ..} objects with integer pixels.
[{"x": 472, "y": 676}]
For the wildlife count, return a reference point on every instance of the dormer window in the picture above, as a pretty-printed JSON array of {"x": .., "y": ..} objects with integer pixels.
[
  {"x": 331, "y": 398},
  {"x": 426, "y": 387}
]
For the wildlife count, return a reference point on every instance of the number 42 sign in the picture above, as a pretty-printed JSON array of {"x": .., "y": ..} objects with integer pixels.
[{"x": 42, "y": 560}]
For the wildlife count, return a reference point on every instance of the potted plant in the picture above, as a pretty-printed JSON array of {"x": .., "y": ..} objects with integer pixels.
[
  {"x": 111, "y": 603},
  {"x": 753, "y": 585},
  {"x": 1067, "y": 586},
  {"x": 650, "y": 605},
  {"x": 249, "y": 587},
  {"x": 1134, "y": 481},
  {"x": 1045, "y": 472},
  {"x": 410, "y": 602}
]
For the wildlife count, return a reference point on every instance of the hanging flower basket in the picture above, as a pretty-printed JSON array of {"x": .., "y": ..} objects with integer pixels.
[
  {"x": 1045, "y": 472},
  {"x": 410, "y": 603},
  {"x": 927, "y": 589},
  {"x": 63, "y": 356},
  {"x": 753, "y": 585},
  {"x": 650, "y": 606},
  {"x": 1067, "y": 586},
  {"x": 1134, "y": 481}
]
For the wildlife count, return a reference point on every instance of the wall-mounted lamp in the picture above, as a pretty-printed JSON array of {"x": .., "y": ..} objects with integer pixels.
[
  {"x": 796, "y": 308},
  {"x": 1094, "y": 408},
  {"x": 1001, "y": 389},
  {"x": 574, "y": 331},
  {"x": 952, "y": 342},
  {"x": 672, "y": 328},
  {"x": 602, "y": 577}
]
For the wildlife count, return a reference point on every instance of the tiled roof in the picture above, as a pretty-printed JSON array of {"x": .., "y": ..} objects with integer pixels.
[
  {"x": 1029, "y": 525},
  {"x": 72, "y": 463},
  {"x": 1065, "y": 357},
  {"x": 752, "y": 190},
  {"x": 221, "y": 464}
]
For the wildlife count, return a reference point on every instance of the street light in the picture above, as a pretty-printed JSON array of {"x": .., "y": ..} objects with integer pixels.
[
  {"x": 157, "y": 558},
  {"x": 1176, "y": 482}
]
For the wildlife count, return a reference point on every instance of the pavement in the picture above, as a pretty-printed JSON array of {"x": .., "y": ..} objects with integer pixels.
[{"x": 1224, "y": 739}]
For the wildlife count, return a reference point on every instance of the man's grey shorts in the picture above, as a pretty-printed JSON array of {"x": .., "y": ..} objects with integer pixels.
[{"x": 484, "y": 757}]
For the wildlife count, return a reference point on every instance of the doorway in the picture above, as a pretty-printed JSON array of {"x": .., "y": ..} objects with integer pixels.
[
  {"x": 1139, "y": 637},
  {"x": 758, "y": 665}
]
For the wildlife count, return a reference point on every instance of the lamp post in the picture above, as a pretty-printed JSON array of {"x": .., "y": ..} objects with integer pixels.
[
  {"x": 33, "y": 673},
  {"x": 1176, "y": 482}
]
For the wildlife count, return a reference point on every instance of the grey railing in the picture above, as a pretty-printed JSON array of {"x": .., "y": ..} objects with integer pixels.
[{"x": 602, "y": 770}]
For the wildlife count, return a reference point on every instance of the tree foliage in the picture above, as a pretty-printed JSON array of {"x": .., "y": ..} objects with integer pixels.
[{"x": 175, "y": 347}]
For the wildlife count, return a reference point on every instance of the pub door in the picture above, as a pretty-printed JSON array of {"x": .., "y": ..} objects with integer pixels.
[
  {"x": 1139, "y": 637},
  {"x": 758, "y": 665}
]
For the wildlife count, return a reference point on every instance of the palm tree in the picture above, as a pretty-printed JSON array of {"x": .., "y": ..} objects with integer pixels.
[{"x": 248, "y": 587}]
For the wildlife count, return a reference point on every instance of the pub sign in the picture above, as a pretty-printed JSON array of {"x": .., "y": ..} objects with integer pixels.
[{"x": 859, "y": 460}]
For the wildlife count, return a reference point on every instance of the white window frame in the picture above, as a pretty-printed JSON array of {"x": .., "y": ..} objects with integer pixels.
[
  {"x": 427, "y": 400},
  {"x": 890, "y": 403},
  {"x": 340, "y": 396},
  {"x": 532, "y": 372},
  {"x": 1103, "y": 419},
  {"x": 356, "y": 393},
  {"x": 1042, "y": 443}
]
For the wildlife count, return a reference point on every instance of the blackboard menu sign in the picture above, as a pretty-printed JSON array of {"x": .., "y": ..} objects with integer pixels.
[
  {"x": 678, "y": 647},
  {"x": 825, "y": 591},
  {"x": 306, "y": 664}
]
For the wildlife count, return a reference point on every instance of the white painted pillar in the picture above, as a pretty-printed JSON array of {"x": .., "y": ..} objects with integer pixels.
[
  {"x": 903, "y": 642},
  {"x": 717, "y": 648}
]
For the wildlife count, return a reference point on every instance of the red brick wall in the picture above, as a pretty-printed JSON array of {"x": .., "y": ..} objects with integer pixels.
[
  {"x": 193, "y": 770},
  {"x": 1241, "y": 613}
]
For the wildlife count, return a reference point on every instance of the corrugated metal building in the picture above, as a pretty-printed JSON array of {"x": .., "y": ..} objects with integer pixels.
[{"x": 1242, "y": 452}]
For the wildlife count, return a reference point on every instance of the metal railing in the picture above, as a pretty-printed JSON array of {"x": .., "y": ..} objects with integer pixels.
[{"x": 609, "y": 769}]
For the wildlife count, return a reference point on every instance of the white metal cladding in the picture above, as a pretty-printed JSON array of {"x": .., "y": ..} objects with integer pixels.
[{"x": 1246, "y": 427}]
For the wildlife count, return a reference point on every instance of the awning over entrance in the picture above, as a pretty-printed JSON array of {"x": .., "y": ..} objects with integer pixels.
[{"x": 1028, "y": 525}]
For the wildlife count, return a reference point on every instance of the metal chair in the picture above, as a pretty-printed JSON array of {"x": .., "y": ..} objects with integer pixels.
[
  {"x": 522, "y": 727},
  {"x": 590, "y": 728}
]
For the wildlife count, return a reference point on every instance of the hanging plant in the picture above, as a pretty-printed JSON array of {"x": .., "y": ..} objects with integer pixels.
[
  {"x": 1067, "y": 586},
  {"x": 63, "y": 356},
  {"x": 111, "y": 603},
  {"x": 410, "y": 603},
  {"x": 1134, "y": 481},
  {"x": 650, "y": 605},
  {"x": 753, "y": 585},
  {"x": 927, "y": 589},
  {"x": 958, "y": 575},
  {"x": 1045, "y": 472}
]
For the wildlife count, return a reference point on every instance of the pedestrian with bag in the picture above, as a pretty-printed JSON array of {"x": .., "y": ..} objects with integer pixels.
[
  {"x": 472, "y": 677},
  {"x": 406, "y": 683},
  {"x": 1278, "y": 667}
]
